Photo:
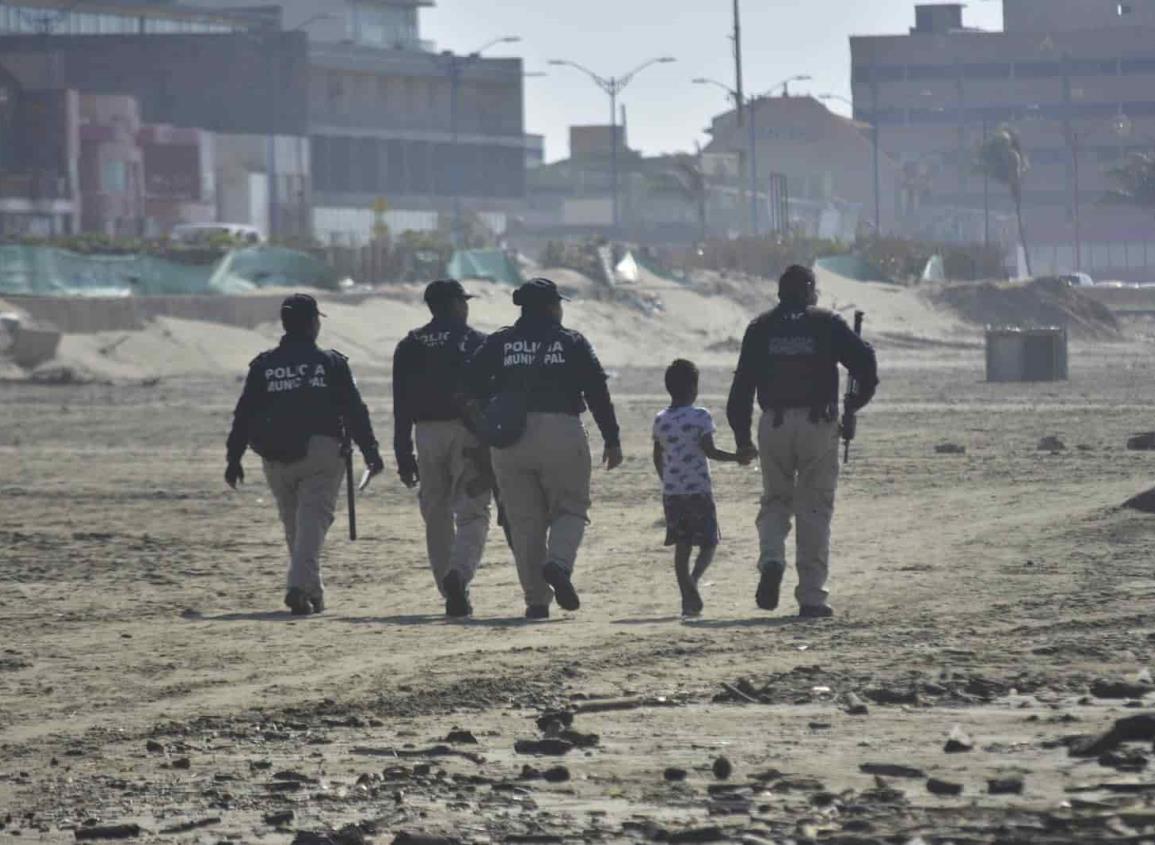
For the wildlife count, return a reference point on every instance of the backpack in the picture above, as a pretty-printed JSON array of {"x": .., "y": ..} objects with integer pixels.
[{"x": 504, "y": 420}]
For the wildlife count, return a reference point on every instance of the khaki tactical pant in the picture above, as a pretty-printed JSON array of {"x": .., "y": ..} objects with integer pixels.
[
  {"x": 544, "y": 481},
  {"x": 799, "y": 476},
  {"x": 456, "y": 523},
  {"x": 306, "y": 493}
]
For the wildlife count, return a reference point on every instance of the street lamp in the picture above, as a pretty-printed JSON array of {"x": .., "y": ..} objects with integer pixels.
[
  {"x": 874, "y": 153},
  {"x": 613, "y": 85},
  {"x": 785, "y": 84},
  {"x": 752, "y": 139},
  {"x": 454, "y": 66}
]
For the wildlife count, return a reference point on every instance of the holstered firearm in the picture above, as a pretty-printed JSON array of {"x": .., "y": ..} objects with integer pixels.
[{"x": 850, "y": 418}]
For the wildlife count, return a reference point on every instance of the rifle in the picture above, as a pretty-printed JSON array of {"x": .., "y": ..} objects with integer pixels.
[
  {"x": 350, "y": 491},
  {"x": 850, "y": 418}
]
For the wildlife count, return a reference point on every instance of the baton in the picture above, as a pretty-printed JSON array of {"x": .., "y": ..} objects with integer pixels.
[
  {"x": 849, "y": 420},
  {"x": 350, "y": 492}
]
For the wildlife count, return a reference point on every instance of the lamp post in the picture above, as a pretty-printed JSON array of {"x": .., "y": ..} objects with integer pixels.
[
  {"x": 454, "y": 66},
  {"x": 613, "y": 86},
  {"x": 752, "y": 136},
  {"x": 875, "y": 163}
]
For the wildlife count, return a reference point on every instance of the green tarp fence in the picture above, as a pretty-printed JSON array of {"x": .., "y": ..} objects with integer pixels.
[
  {"x": 50, "y": 271},
  {"x": 492, "y": 264}
]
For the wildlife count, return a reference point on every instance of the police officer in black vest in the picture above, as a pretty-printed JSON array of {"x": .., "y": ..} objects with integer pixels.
[
  {"x": 544, "y": 477},
  {"x": 298, "y": 405},
  {"x": 451, "y": 464},
  {"x": 790, "y": 359}
]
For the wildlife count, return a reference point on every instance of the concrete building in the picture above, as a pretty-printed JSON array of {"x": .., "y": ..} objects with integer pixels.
[
  {"x": 572, "y": 198},
  {"x": 393, "y": 123},
  {"x": 1075, "y": 79},
  {"x": 191, "y": 84},
  {"x": 354, "y": 111},
  {"x": 824, "y": 161},
  {"x": 39, "y": 150}
]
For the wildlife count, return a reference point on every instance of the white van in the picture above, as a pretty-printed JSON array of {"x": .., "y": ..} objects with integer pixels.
[{"x": 196, "y": 233}]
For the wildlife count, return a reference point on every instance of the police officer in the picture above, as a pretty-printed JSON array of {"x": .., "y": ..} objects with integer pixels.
[
  {"x": 298, "y": 404},
  {"x": 451, "y": 464},
  {"x": 790, "y": 358},
  {"x": 544, "y": 478}
]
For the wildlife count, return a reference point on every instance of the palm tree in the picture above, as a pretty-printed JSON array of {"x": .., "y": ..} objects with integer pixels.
[
  {"x": 691, "y": 182},
  {"x": 1001, "y": 157},
  {"x": 1134, "y": 181}
]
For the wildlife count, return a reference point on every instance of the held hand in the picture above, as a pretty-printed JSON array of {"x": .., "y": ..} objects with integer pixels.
[
  {"x": 407, "y": 471},
  {"x": 612, "y": 457},
  {"x": 234, "y": 475},
  {"x": 747, "y": 454}
]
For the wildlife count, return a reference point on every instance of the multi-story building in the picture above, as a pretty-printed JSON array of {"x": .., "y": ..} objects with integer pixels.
[
  {"x": 1074, "y": 78},
  {"x": 361, "y": 122},
  {"x": 824, "y": 161},
  {"x": 400, "y": 133},
  {"x": 39, "y": 153},
  {"x": 189, "y": 81}
]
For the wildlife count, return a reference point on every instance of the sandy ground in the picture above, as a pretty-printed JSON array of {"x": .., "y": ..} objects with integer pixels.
[{"x": 149, "y": 675}]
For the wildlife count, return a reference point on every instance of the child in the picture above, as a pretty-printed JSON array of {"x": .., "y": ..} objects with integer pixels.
[{"x": 683, "y": 445}]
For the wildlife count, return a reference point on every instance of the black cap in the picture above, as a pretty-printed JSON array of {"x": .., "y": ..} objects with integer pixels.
[
  {"x": 300, "y": 306},
  {"x": 445, "y": 290},
  {"x": 797, "y": 282},
  {"x": 538, "y": 291}
]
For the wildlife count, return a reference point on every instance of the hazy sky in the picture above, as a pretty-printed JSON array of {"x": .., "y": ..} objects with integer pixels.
[{"x": 665, "y": 112}]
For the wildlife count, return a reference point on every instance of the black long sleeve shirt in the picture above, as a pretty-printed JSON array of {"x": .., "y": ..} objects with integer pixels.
[
  {"x": 571, "y": 377},
  {"x": 295, "y": 391},
  {"x": 428, "y": 378},
  {"x": 790, "y": 358}
]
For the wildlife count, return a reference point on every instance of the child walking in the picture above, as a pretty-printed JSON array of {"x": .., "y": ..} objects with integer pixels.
[{"x": 683, "y": 447}]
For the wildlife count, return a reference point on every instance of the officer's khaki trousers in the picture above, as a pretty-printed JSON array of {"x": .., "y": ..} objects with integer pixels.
[
  {"x": 544, "y": 481},
  {"x": 456, "y": 523},
  {"x": 306, "y": 493},
  {"x": 799, "y": 476}
]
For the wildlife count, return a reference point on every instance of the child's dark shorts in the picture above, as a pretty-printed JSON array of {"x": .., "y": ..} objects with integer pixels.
[{"x": 691, "y": 520}]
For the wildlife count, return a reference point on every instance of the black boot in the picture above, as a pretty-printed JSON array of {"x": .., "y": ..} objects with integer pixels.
[
  {"x": 537, "y": 611},
  {"x": 769, "y": 585},
  {"x": 297, "y": 602},
  {"x": 563, "y": 590},
  {"x": 456, "y": 596}
]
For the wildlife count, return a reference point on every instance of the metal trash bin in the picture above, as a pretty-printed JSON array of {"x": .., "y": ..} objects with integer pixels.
[{"x": 1017, "y": 354}]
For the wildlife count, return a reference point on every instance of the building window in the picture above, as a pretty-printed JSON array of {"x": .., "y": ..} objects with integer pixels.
[{"x": 114, "y": 177}]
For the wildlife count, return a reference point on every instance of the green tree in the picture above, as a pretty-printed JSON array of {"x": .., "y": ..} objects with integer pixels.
[
  {"x": 1134, "y": 181},
  {"x": 1001, "y": 158}
]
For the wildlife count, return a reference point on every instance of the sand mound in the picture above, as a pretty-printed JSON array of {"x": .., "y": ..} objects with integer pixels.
[
  {"x": 1042, "y": 302},
  {"x": 642, "y": 325}
]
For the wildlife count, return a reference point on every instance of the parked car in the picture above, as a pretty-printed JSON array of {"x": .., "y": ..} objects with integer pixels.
[{"x": 1078, "y": 280}]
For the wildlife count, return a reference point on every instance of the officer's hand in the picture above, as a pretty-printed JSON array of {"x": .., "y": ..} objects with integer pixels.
[
  {"x": 407, "y": 470},
  {"x": 612, "y": 457},
  {"x": 747, "y": 454},
  {"x": 234, "y": 475},
  {"x": 373, "y": 463}
]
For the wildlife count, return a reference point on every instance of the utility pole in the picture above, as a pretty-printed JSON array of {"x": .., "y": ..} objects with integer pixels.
[
  {"x": 739, "y": 94},
  {"x": 740, "y": 108},
  {"x": 454, "y": 67},
  {"x": 613, "y": 86}
]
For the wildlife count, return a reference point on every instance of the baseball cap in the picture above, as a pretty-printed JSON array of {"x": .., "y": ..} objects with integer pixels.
[
  {"x": 300, "y": 306},
  {"x": 444, "y": 290},
  {"x": 538, "y": 291}
]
